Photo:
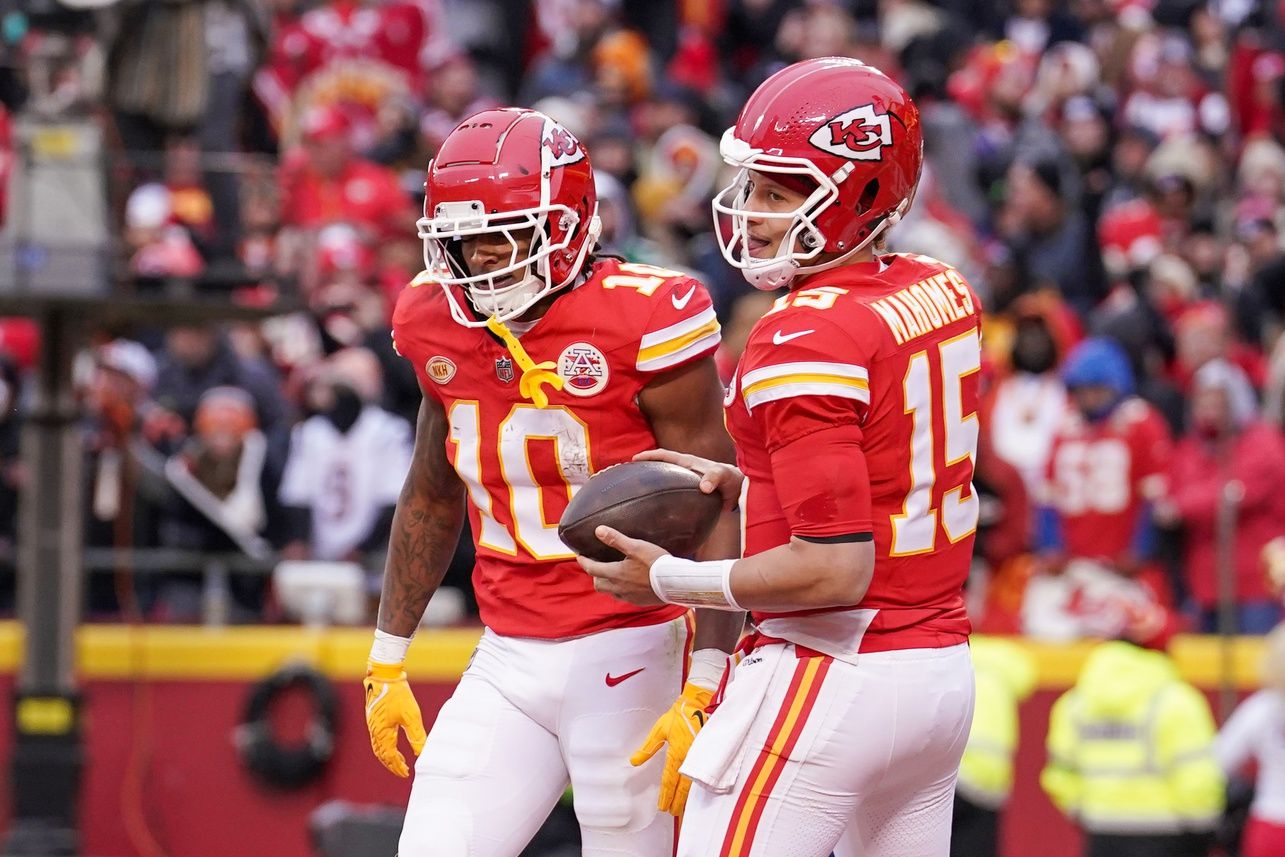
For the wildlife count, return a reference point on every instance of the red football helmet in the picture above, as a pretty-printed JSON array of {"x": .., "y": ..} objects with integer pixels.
[
  {"x": 508, "y": 171},
  {"x": 849, "y": 129}
]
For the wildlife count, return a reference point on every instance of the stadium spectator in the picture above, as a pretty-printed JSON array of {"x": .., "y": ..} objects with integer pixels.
[
  {"x": 327, "y": 182},
  {"x": 162, "y": 249},
  {"x": 1050, "y": 234},
  {"x": 1105, "y": 466},
  {"x": 198, "y": 358},
  {"x": 346, "y": 465},
  {"x": 220, "y": 484},
  {"x": 117, "y": 385},
  {"x": 1228, "y": 455},
  {"x": 454, "y": 96},
  {"x": 362, "y": 54},
  {"x": 219, "y": 471},
  {"x": 1023, "y": 411},
  {"x": 1130, "y": 748}
]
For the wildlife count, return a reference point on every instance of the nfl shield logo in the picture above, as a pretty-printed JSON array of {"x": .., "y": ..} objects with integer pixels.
[{"x": 504, "y": 369}]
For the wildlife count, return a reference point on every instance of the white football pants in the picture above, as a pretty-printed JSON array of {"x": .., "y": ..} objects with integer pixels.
[
  {"x": 528, "y": 717},
  {"x": 808, "y": 756}
]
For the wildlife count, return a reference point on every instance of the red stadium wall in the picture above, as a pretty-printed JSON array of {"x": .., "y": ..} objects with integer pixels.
[{"x": 161, "y": 759}]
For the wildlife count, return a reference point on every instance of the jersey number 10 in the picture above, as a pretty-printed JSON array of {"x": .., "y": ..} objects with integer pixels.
[
  {"x": 531, "y": 526},
  {"x": 931, "y": 498}
]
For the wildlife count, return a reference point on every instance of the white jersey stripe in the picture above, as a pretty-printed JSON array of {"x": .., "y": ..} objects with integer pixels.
[
  {"x": 673, "y": 358},
  {"x": 677, "y": 330},
  {"x": 805, "y": 388},
  {"x": 842, "y": 370}
]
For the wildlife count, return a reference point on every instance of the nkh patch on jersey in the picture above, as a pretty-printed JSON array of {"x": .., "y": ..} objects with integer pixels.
[
  {"x": 584, "y": 368},
  {"x": 440, "y": 369}
]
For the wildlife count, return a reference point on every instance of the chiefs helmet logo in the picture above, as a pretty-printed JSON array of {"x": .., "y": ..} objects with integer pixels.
[
  {"x": 860, "y": 134},
  {"x": 563, "y": 148}
]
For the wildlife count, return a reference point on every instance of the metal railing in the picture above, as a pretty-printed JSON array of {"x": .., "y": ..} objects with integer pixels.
[{"x": 216, "y": 570}]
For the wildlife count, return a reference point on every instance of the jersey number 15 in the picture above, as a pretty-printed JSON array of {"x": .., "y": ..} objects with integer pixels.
[{"x": 935, "y": 497}]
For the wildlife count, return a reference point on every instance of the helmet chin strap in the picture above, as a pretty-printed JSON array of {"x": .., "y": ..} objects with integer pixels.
[{"x": 771, "y": 274}]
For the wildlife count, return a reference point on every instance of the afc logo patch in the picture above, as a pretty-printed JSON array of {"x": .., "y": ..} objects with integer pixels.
[
  {"x": 561, "y": 145},
  {"x": 583, "y": 368},
  {"x": 504, "y": 369},
  {"x": 440, "y": 369},
  {"x": 859, "y": 133}
]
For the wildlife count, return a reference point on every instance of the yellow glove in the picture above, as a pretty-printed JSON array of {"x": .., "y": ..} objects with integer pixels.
[
  {"x": 677, "y": 727},
  {"x": 390, "y": 705}
]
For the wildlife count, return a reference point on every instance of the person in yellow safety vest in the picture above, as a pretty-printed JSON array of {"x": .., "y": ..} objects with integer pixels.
[
  {"x": 1005, "y": 675},
  {"x": 1131, "y": 750}
]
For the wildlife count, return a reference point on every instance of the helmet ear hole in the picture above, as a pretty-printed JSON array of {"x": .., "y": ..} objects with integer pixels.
[{"x": 867, "y": 197}]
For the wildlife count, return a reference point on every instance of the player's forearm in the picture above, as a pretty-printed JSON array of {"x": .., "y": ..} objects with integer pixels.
[
  {"x": 802, "y": 575},
  {"x": 424, "y": 535},
  {"x": 720, "y": 629}
]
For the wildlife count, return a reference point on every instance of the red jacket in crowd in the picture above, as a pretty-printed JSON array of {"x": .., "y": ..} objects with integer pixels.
[{"x": 1257, "y": 460}]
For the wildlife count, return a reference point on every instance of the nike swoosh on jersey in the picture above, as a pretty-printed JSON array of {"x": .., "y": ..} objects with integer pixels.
[
  {"x": 680, "y": 303},
  {"x": 613, "y": 680},
  {"x": 779, "y": 339}
]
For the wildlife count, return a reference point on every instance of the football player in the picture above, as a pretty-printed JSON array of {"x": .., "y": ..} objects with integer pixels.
[
  {"x": 854, "y": 412},
  {"x": 541, "y": 364}
]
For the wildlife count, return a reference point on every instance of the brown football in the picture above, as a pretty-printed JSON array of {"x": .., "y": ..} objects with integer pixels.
[{"x": 652, "y": 500}]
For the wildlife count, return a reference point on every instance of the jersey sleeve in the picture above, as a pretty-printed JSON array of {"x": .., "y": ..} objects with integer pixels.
[
  {"x": 680, "y": 328},
  {"x": 809, "y": 376},
  {"x": 809, "y": 395},
  {"x": 409, "y": 324}
]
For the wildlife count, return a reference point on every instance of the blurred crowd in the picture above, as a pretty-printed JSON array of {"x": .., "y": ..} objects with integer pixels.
[{"x": 1107, "y": 173}]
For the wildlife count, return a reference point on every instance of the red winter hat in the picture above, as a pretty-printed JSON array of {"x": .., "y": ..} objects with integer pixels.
[{"x": 326, "y": 122}]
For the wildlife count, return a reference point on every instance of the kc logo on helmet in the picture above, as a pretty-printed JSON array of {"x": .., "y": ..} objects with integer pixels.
[
  {"x": 562, "y": 146},
  {"x": 860, "y": 134}
]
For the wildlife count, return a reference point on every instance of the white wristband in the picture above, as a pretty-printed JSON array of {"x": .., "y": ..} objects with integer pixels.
[
  {"x": 389, "y": 648},
  {"x": 706, "y": 668},
  {"x": 694, "y": 584}
]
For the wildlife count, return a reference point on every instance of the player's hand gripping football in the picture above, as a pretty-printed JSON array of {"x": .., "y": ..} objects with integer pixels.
[
  {"x": 715, "y": 475},
  {"x": 391, "y": 706},
  {"x": 675, "y": 730},
  {"x": 630, "y": 578}
]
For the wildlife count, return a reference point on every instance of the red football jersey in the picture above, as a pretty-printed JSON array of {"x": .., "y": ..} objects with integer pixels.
[
  {"x": 874, "y": 367},
  {"x": 1099, "y": 475},
  {"x": 609, "y": 337}
]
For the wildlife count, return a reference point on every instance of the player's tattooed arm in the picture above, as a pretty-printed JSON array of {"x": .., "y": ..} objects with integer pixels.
[
  {"x": 426, "y": 526},
  {"x": 685, "y": 409}
]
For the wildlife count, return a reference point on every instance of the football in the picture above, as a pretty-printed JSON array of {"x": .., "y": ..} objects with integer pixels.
[{"x": 652, "y": 500}]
